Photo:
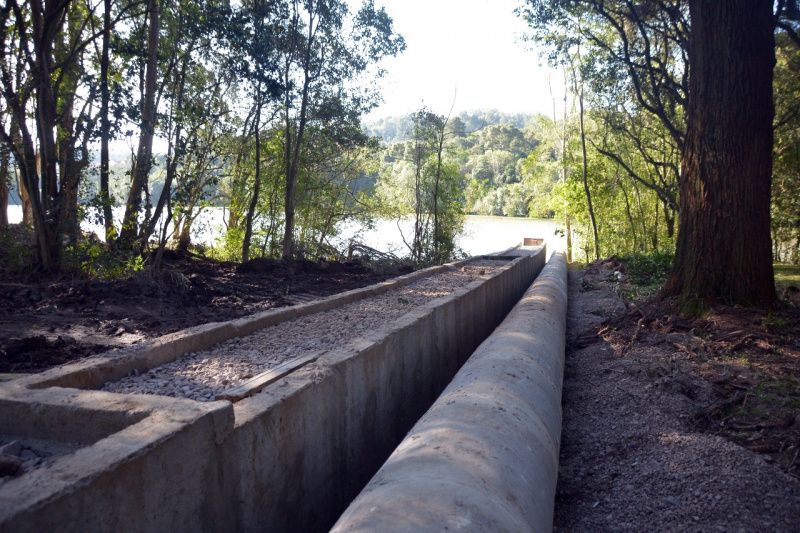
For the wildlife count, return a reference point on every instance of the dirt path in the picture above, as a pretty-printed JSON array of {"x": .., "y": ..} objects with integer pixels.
[{"x": 631, "y": 459}]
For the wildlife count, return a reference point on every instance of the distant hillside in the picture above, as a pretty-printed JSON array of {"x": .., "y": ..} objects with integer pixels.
[
  {"x": 504, "y": 165},
  {"x": 398, "y": 128}
]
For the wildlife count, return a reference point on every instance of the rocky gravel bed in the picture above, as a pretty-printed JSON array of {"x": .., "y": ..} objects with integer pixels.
[{"x": 203, "y": 375}]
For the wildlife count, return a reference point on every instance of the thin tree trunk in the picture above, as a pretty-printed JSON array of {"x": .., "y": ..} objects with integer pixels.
[
  {"x": 185, "y": 234},
  {"x": 564, "y": 168},
  {"x": 144, "y": 152},
  {"x": 24, "y": 195},
  {"x": 174, "y": 154},
  {"x": 628, "y": 213},
  {"x": 655, "y": 229},
  {"x": 569, "y": 239},
  {"x": 586, "y": 175},
  {"x": 724, "y": 253},
  {"x": 251, "y": 209},
  {"x": 293, "y": 152},
  {"x": 669, "y": 219},
  {"x": 69, "y": 167},
  {"x": 5, "y": 178},
  {"x": 105, "y": 125}
]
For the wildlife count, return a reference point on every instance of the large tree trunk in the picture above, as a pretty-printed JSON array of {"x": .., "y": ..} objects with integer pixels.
[
  {"x": 46, "y": 25},
  {"x": 144, "y": 151},
  {"x": 724, "y": 253}
]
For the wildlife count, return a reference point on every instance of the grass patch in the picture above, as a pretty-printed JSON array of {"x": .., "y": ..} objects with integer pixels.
[
  {"x": 786, "y": 274},
  {"x": 769, "y": 399}
]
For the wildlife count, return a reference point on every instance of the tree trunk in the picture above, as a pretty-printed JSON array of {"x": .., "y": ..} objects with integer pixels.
[
  {"x": 724, "y": 253},
  {"x": 5, "y": 178},
  {"x": 68, "y": 128},
  {"x": 293, "y": 151},
  {"x": 174, "y": 153},
  {"x": 185, "y": 235},
  {"x": 669, "y": 218},
  {"x": 569, "y": 239},
  {"x": 144, "y": 152},
  {"x": 586, "y": 176},
  {"x": 105, "y": 125},
  {"x": 251, "y": 208},
  {"x": 46, "y": 25},
  {"x": 25, "y": 200}
]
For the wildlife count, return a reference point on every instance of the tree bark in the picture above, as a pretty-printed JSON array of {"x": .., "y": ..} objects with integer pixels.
[
  {"x": 251, "y": 208},
  {"x": 724, "y": 251},
  {"x": 46, "y": 21},
  {"x": 144, "y": 151},
  {"x": 25, "y": 200},
  {"x": 293, "y": 151},
  {"x": 69, "y": 127},
  {"x": 585, "y": 168},
  {"x": 105, "y": 125},
  {"x": 5, "y": 175}
]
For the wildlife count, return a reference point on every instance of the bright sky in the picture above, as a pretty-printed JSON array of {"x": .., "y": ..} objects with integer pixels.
[{"x": 472, "y": 47}]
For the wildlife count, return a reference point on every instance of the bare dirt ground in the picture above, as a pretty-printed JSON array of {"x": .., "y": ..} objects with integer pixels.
[
  {"x": 677, "y": 425},
  {"x": 44, "y": 323}
]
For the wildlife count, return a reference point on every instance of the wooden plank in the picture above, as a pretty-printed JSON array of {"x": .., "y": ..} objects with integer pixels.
[{"x": 258, "y": 382}]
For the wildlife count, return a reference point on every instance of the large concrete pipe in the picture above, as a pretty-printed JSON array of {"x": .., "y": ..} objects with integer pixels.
[{"x": 485, "y": 455}]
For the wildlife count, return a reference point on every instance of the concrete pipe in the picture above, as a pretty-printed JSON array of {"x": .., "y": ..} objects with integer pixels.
[{"x": 485, "y": 455}]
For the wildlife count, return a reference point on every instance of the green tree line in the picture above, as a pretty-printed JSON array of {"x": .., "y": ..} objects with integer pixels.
[{"x": 255, "y": 106}]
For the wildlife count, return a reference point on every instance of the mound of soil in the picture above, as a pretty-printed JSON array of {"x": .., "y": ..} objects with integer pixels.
[{"x": 49, "y": 322}]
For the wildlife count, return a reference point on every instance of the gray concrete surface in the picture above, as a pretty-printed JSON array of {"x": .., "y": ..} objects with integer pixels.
[
  {"x": 485, "y": 455},
  {"x": 93, "y": 371},
  {"x": 142, "y": 463},
  {"x": 289, "y": 458}
]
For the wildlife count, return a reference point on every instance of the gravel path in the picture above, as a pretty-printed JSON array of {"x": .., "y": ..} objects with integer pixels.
[
  {"x": 629, "y": 458},
  {"x": 202, "y": 375}
]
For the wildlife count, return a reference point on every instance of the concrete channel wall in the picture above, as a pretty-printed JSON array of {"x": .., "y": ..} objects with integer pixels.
[
  {"x": 93, "y": 371},
  {"x": 485, "y": 456},
  {"x": 289, "y": 458}
]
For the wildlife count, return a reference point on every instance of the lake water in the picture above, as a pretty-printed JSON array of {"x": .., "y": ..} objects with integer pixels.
[{"x": 481, "y": 235}]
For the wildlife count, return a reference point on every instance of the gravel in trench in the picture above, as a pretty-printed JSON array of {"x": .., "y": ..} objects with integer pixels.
[{"x": 202, "y": 375}]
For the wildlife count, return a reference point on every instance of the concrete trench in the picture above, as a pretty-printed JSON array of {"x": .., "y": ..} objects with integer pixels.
[
  {"x": 484, "y": 457},
  {"x": 288, "y": 458}
]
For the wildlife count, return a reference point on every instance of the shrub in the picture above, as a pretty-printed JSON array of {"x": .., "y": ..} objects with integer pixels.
[{"x": 649, "y": 269}]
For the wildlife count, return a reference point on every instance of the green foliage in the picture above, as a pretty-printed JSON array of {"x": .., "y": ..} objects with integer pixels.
[
  {"x": 648, "y": 269},
  {"x": 15, "y": 255},
  {"x": 787, "y": 274},
  {"x": 426, "y": 186},
  {"x": 775, "y": 323},
  {"x": 786, "y": 166},
  {"x": 96, "y": 260},
  {"x": 490, "y": 157},
  {"x": 229, "y": 247}
]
